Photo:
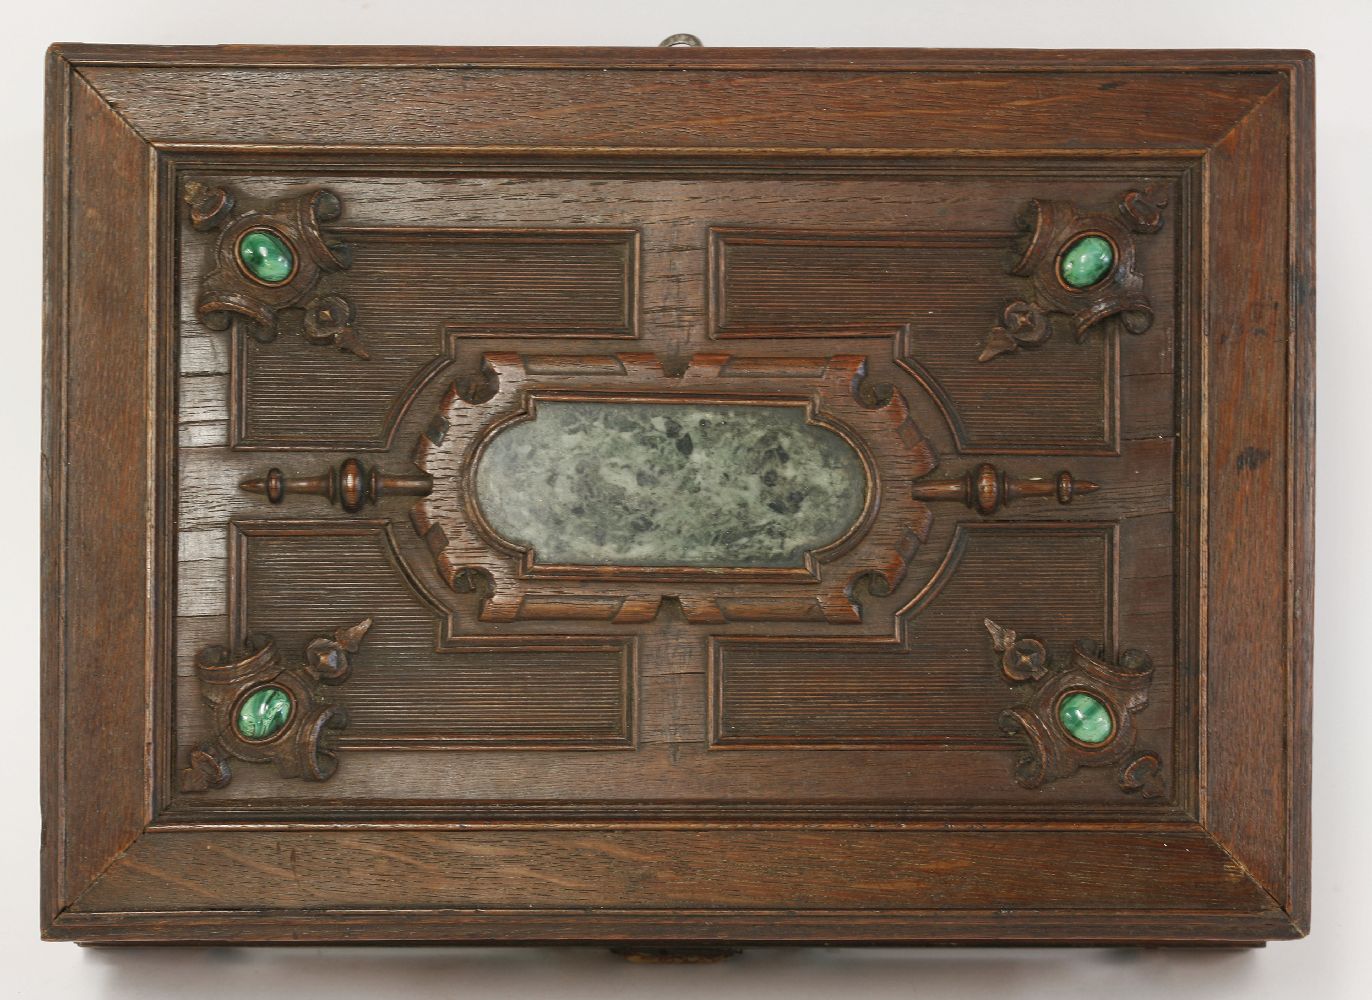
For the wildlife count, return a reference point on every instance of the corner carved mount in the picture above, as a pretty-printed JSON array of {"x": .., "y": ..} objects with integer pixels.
[
  {"x": 986, "y": 489},
  {"x": 267, "y": 712},
  {"x": 351, "y": 485},
  {"x": 1081, "y": 270},
  {"x": 272, "y": 267},
  {"x": 516, "y": 584},
  {"x": 1077, "y": 714}
]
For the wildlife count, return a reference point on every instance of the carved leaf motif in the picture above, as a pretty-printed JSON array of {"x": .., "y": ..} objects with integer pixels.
[
  {"x": 1143, "y": 209},
  {"x": 1022, "y": 324},
  {"x": 1001, "y": 638},
  {"x": 1143, "y": 774}
]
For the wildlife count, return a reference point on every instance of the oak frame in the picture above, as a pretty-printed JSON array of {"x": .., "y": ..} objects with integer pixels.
[{"x": 115, "y": 871}]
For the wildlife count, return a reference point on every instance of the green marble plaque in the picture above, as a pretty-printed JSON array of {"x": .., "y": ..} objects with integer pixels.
[{"x": 670, "y": 484}]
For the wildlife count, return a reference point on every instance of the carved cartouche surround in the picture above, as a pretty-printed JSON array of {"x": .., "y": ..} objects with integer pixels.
[
  {"x": 874, "y": 549},
  {"x": 273, "y": 267},
  {"x": 267, "y": 711},
  {"x": 1079, "y": 713},
  {"x": 1080, "y": 270}
]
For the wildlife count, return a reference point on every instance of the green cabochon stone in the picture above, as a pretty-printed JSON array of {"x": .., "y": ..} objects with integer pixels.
[
  {"x": 1085, "y": 718},
  {"x": 1087, "y": 261},
  {"x": 263, "y": 713},
  {"x": 266, "y": 256}
]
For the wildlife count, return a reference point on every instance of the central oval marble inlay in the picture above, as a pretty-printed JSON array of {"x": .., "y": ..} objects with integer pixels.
[{"x": 670, "y": 484}]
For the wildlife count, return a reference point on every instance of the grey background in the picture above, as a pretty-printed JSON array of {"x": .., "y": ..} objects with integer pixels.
[{"x": 1328, "y": 963}]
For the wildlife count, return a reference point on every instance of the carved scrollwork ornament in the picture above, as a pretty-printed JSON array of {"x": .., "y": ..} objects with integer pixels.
[
  {"x": 1077, "y": 714},
  {"x": 265, "y": 711},
  {"x": 272, "y": 267},
  {"x": 1080, "y": 268}
]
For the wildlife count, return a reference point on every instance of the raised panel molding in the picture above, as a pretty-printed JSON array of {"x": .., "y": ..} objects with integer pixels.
[
  {"x": 509, "y": 282},
  {"x": 576, "y": 284},
  {"x": 858, "y": 582}
]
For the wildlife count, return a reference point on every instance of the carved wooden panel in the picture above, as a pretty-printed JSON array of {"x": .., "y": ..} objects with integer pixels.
[
  {"x": 585, "y": 477},
  {"x": 848, "y": 657}
]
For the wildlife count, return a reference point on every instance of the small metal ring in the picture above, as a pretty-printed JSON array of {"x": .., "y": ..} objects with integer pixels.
[{"x": 680, "y": 40}]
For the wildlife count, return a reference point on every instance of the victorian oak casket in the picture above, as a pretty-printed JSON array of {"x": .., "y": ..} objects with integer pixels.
[{"x": 677, "y": 497}]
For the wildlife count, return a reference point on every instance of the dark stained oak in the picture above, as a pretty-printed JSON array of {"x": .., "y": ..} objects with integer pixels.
[{"x": 860, "y": 745}]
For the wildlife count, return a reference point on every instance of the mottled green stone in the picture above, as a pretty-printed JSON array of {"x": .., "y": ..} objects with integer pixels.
[
  {"x": 649, "y": 484},
  {"x": 1086, "y": 718},
  {"x": 1086, "y": 261},
  {"x": 263, "y": 713},
  {"x": 266, "y": 256}
]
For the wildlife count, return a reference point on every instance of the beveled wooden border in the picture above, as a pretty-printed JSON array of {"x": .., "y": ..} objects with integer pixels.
[{"x": 119, "y": 122}]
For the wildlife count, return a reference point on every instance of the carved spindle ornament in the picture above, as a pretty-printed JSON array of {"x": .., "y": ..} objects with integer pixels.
[
  {"x": 1080, "y": 268},
  {"x": 351, "y": 485},
  {"x": 1077, "y": 714},
  {"x": 265, "y": 711},
  {"x": 986, "y": 489},
  {"x": 271, "y": 267}
]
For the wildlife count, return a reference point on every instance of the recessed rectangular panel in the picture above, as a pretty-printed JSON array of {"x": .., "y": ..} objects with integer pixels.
[
  {"x": 296, "y": 580},
  {"x": 938, "y": 684},
  {"x": 935, "y": 296},
  {"x": 506, "y": 282}
]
